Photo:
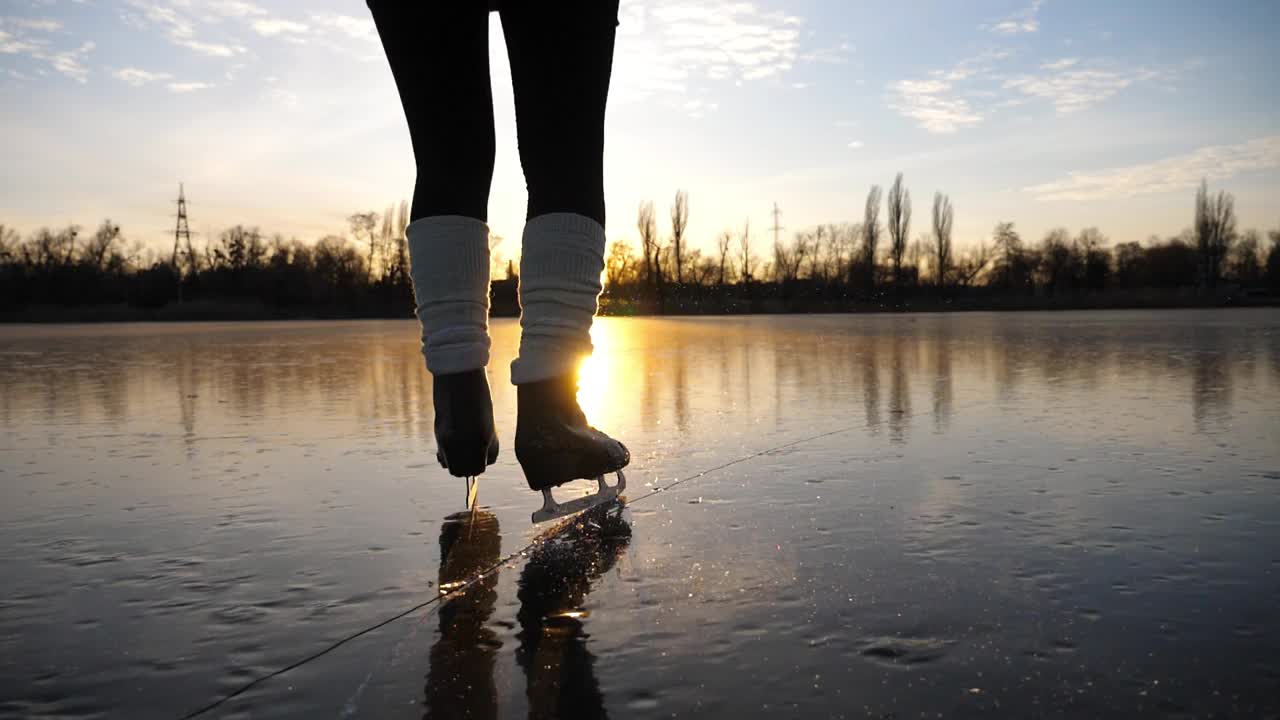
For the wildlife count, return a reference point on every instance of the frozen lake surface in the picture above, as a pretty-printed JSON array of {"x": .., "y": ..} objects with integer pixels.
[{"x": 1068, "y": 514}]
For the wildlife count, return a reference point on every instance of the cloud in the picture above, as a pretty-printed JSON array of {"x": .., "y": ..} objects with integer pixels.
[
  {"x": 236, "y": 9},
  {"x": 1021, "y": 22},
  {"x": 36, "y": 24},
  {"x": 138, "y": 77},
  {"x": 1178, "y": 173},
  {"x": 270, "y": 27},
  {"x": 671, "y": 48},
  {"x": 68, "y": 62},
  {"x": 180, "y": 29},
  {"x": 13, "y": 45},
  {"x": 1062, "y": 64},
  {"x": 1071, "y": 88},
  {"x": 926, "y": 103},
  {"x": 359, "y": 28},
  {"x": 186, "y": 87},
  {"x": 935, "y": 103},
  {"x": 856, "y": 145}
]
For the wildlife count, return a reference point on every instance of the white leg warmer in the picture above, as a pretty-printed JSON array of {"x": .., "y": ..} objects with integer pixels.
[
  {"x": 449, "y": 266},
  {"x": 561, "y": 259}
]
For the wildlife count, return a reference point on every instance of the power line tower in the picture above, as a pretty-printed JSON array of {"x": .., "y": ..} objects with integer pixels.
[
  {"x": 776, "y": 227},
  {"x": 181, "y": 235}
]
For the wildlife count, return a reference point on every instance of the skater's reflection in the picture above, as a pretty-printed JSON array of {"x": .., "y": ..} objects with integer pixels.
[
  {"x": 460, "y": 679},
  {"x": 559, "y": 678}
]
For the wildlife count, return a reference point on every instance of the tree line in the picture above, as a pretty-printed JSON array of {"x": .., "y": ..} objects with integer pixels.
[{"x": 874, "y": 262}]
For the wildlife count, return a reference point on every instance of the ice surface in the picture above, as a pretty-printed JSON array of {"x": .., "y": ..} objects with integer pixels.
[{"x": 1028, "y": 514}]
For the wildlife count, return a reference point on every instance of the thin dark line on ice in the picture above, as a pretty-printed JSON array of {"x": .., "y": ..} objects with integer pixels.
[{"x": 546, "y": 537}]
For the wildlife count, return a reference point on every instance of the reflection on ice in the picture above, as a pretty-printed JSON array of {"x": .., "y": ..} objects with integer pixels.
[{"x": 1051, "y": 502}]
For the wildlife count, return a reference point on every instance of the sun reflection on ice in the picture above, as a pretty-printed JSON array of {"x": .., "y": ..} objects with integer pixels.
[{"x": 593, "y": 373}]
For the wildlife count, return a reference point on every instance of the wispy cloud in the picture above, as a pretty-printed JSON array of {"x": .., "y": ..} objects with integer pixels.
[
  {"x": 69, "y": 62},
  {"x": 187, "y": 87},
  {"x": 1072, "y": 88},
  {"x": 935, "y": 103},
  {"x": 138, "y": 77},
  {"x": 12, "y": 45},
  {"x": 669, "y": 48},
  {"x": 359, "y": 28},
  {"x": 177, "y": 22},
  {"x": 1178, "y": 173},
  {"x": 1021, "y": 22},
  {"x": 856, "y": 145},
  {"x": 37, "y": 24},
  {"x": 270, "y": 27}
]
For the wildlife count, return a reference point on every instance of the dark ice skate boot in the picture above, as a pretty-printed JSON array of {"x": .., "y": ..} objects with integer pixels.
[
  {"x": 554, "y": 445},
  {"x": 466, "y": 442}
]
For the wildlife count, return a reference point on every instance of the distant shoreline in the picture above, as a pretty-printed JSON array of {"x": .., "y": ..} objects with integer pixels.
[{"x": 687, "y": 307}]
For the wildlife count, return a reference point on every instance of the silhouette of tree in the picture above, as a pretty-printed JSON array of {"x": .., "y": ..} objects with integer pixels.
[
  {"x": 1273, "y": 261},
  {"x": 971, "y": 265},
  {"x": 679, "y": 221},
  {"x": 647, "y": 225},
  {"x": 619, "y": 266},
  {"x": 870, "y": 237},
  {"x": 899, "y": 222},
  {"x": 722, "y": 254},
  {"x": 100, "y": 252},
  {"x": 363, "y": 225},
  {"x": 1095, "y": 267},
  {"x": 1012, "y": 264},
  {"x": 745, "y": 258},
  {"x": 943, "y": 217},
  {"x": 1244, "y": 264},
  {"x": 1215, "y": 227}
]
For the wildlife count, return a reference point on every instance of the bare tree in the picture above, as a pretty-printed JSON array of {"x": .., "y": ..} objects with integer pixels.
[
  {"x": 619, "y": 266},
  {"x": 817, "y": 258},
  {"x": 363, "y": 226},
  {"x": 899, "y": 221},
  {"x": 1215, "y": 228},
  {"x": 745, "y": 258},
  {"x": 647, "y": 225},
  {"x": 1245, "y": 262},
  {"x": 100, "y": 251},
  {"x": 943, "y": 216},
  {"x": 1009, "y": 248},
  {"x": 871, "y": 236},
  {"x": 971, "y": 265},
  {"x": 705, "y": 269},
  {"x": 840, "y": 244},
  {"x": 917, "y": 254},
  {"x": 9, "y": 241},
  {"x": 722, "y": 252},
  {"x": 679, "y": 221},
  {"x": 788, "y": 259}
]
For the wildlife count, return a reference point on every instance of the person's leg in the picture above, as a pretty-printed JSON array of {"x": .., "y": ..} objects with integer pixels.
[
  {"x": 439, "y": 56},
  {"x": 561, "y": 56}
]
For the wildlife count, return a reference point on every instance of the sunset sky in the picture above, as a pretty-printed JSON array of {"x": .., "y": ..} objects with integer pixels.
[{"x": 283, "y": 114}]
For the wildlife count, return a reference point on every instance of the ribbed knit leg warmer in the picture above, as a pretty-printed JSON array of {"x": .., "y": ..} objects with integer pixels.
[
  {"x": 449, "y": 266},
  {"x": 561, "y": 259}
]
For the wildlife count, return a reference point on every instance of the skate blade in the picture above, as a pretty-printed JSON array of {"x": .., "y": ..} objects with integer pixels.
[
  {"x": 552, "y": 510},
  {"x": 473, "y": 490}
]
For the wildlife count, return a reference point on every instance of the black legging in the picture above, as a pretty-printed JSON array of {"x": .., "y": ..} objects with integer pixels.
[{"x": 561, "y": 53}]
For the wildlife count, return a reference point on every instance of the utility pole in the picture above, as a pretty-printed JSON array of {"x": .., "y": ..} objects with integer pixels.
[
  {"x": 776, "y": 227},
  {"x": 181, "y": 232}
]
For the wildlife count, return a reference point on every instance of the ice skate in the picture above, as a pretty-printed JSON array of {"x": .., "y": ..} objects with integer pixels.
[
  {"x": 465, "y": 438},
  {"x": 555, "y": 445}
]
